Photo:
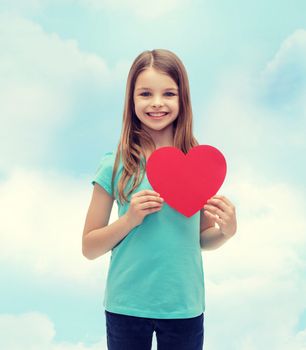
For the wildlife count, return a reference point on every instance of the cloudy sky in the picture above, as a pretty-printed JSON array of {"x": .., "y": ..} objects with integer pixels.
[{"x": 63, "y": 70}]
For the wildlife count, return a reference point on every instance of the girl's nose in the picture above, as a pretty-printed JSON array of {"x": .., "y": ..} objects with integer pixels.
[{"x": 157, "y": 102}]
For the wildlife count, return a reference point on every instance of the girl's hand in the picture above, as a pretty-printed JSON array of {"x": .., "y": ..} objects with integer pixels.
[
  {"x": 143, "y": 203},
  {"x": 223, "y": 212}
]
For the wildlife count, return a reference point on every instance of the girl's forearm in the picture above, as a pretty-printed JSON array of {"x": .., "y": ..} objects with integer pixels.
[
  {"x": 102, "y": 240},
  {"x": 212, "y": 238}
]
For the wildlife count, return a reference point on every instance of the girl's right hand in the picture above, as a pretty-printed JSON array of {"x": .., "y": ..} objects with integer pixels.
[{"x": 143, "y": 203}]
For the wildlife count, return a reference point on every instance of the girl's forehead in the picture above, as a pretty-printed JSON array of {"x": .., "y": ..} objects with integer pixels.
[{"x": 151, "y": 78}]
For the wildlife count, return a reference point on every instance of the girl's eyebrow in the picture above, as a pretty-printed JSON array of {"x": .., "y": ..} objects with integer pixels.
[{"x": 145, "y": 88}]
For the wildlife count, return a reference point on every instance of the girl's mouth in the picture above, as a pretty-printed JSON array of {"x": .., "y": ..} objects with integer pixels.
[{"x": 157, "y": 115}]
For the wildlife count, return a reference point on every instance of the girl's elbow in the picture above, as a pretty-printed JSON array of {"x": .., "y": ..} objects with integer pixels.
[{"x": 86, "y": 252}]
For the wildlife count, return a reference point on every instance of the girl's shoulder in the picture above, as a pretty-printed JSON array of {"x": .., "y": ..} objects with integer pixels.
[
  {"x": 108, "y": 156},
  {"x": 106, "y": 160},
  {"x": 108, "y": 153}
]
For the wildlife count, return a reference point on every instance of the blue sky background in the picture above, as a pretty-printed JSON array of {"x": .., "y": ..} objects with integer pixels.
[{"x": 63, "y": 70}]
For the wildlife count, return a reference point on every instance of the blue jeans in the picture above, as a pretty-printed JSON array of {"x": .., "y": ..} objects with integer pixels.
[{"x": 126, "y": 332}]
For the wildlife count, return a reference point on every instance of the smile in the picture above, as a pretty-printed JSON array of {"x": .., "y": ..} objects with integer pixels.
[{"x": 157, "y": 115}]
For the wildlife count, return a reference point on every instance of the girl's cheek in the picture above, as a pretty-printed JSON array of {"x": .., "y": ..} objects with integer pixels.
[{"x": 141, "y": 103}]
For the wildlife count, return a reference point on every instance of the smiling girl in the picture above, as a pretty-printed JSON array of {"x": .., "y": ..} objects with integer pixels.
[{"x": 155, "y": 281}]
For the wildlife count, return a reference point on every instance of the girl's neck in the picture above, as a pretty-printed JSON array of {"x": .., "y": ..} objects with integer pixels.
[
  {"x": 148, "y": 152},
  {"x": 161, "y": 139}
]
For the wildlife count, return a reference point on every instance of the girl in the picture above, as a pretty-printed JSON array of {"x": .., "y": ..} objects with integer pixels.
[{"x": 155, "y": 280}]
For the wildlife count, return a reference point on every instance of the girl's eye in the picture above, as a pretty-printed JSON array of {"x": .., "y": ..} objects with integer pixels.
[{"x": 142, "y": 94}]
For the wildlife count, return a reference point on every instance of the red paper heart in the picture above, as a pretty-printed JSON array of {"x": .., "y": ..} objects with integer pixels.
[{"x": 186, "y": 182}]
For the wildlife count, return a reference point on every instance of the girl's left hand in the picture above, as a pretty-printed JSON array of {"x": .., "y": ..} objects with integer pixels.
[{"x": 223, "y": 212}]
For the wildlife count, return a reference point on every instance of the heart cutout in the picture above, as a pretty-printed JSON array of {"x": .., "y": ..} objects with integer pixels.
[{"x": 186, "y": 182}]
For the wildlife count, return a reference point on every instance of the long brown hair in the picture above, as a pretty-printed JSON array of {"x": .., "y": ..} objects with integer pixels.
[{"x": 129, "y": 147}]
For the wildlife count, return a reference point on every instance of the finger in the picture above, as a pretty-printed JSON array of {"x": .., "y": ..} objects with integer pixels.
[
  {"x": 215, "y": 204},
  {"x": 214, "y": 210},
  {"x": 145, "y": 192},
  {"x": 218, "y": 202},
  {"x": 223, "y": 198},
  {"x": 143, "y": 199},
  {"x": 216, "y": 218},
  {"x": 219, "y": 221},
  {"x": 209, "y": 214},
  {"x": 149, "y": 205}
]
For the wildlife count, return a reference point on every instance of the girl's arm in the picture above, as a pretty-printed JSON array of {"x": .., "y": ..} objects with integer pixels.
[
  {"x": 98, "y": 236},
  {"x": 212, "y": 238}
]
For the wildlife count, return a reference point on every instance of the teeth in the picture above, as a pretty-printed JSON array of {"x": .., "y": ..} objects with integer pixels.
[{"x": 157, "y": 114}]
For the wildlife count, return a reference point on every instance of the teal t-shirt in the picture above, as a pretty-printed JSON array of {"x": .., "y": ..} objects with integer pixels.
[{"x": 156, "y": 271}]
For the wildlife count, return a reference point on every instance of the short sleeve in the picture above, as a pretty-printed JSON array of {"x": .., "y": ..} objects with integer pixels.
[{"x": 103, "y": 175}]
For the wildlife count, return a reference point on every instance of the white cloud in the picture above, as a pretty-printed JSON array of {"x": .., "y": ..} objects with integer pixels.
[
  {"x": 41, "y": 76},
  {"x": 138, "y": 7},
  {"x": 256, "y": 115},
  {"x": 42, "y": 219},
  {"x": 22, "y": 6},
  {"x": 292, "y": 51},
  {"x": 282, "y": 82},
  {"x": 255, "y": 283},
  {"x": 35, "y": 331}
]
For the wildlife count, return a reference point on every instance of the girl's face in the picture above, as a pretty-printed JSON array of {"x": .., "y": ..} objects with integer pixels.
[{"x": 156, "y": 92}]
